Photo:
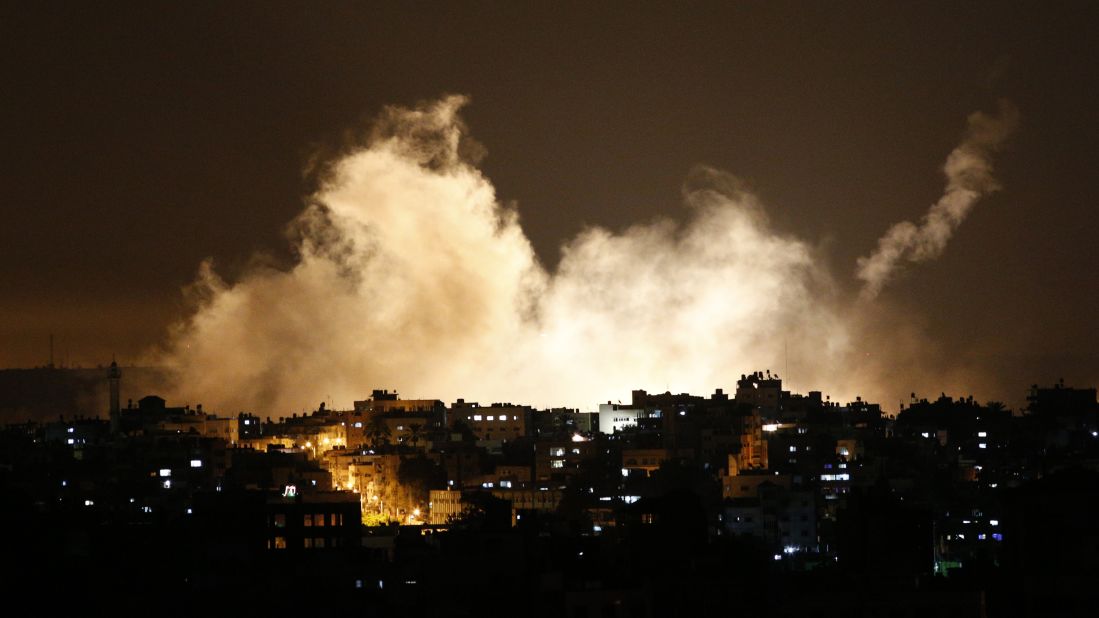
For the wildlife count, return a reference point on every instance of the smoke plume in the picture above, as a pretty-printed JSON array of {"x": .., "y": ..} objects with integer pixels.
[
  {"x": 411, "y": 275},
  {"x": 969, "y": 177}
]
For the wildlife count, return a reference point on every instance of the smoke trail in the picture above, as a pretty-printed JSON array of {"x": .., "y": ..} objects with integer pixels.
[
  {"x": 969, "y": 177},
  {"x": 411, "y": 275}
]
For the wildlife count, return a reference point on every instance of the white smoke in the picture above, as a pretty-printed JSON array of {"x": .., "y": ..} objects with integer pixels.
[
  {"x": 969, "y": 177},
  {"x": 411, "y": 275}
]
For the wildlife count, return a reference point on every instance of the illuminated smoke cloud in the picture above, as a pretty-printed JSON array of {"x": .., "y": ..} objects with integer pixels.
[
  {"x": 969, "y": 177},
  {"x": 411, "y": 275}
]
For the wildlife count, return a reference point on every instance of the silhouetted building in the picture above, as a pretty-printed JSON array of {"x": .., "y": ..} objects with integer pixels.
[{"x": 114, "y": 376}]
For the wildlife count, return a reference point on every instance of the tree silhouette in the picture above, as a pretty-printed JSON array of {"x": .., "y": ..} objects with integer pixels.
[
  {"x": 415, "y": 433},
  {"x": 377, "y": 431}
]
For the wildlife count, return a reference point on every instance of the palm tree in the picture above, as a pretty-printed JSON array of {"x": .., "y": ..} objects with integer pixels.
[
  {"x": 414, "y": 433},
  {"x": 377, "y": 431}
]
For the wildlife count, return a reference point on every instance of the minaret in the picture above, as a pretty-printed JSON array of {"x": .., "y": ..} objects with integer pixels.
[{"x": 114, "y": 376}]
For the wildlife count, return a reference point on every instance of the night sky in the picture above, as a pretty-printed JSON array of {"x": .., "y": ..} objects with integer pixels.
[{"x": 139, "y": 140}]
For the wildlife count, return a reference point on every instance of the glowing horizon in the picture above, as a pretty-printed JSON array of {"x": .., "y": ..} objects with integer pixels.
[{"x": 411, "y": 274}]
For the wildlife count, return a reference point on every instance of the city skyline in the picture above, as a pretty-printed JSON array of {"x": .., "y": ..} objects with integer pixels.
[
  {"x": 561, "y": 310},
  {"x": 760, "y": 500}
]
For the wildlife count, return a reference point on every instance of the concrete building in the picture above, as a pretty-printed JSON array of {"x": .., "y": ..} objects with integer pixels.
[
  {"x": 444, "y": 506},
  {"x": 761, "y": 391},
  {"x": 313, "y": 521},
  {"x": 646, "y": 460},
  {"x": 498, "y": 422},
  {"x": 615, "y": 417},
  {"x": 747, "y": 485},
  {"x": 559, "y": 459},
  {"x": 784, "y": 519}
]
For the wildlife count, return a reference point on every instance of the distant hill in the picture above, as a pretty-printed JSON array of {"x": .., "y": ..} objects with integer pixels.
[{"x": 43, "y": 393}]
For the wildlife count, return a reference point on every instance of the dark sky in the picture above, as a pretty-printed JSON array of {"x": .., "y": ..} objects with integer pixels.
[{"x": 139, "y": 140}]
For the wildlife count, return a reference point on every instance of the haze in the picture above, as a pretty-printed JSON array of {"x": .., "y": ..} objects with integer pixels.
[{"x": 140, "y": 142}]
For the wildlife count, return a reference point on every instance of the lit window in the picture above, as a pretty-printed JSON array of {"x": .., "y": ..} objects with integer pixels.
[
  {"x": 982, "y": 445},
  {"x": 557, "y": 463},
  {"x": 491, "y": 418},
  {"x": 89, "y": 503},
  {"x": 793, "y": 449},
  {"x": 994, "y": 522},
  {"x": 280, "y": 520},
  {"x": 165, "y": 472},
  {"x": 196, "y": 463},
  {"x": 280, "y": 542},
  {"x": 625, "y": 471},
  {"x": 557, "y": 452},
  {"x": 982, "y": 434},
  {"x": 308, "y": 521},
  {"x": 70, "y": 441},
  {"x": 996, "y": 536},
  {"x": 70, "y": 429},
  {"x": 476, "y": 417}
]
